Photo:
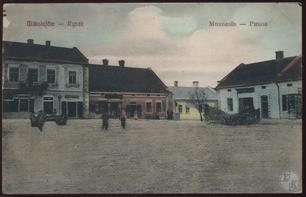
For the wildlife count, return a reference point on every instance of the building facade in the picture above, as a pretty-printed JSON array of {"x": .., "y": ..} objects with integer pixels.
[
  {"x": 274, "y": 87},
  {"x": 184, "y": 109},
  {"x": 136, "y": 92},
  {"x": 42, "y": 77}
]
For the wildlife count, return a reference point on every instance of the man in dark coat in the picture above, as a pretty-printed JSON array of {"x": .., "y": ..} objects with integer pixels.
[
  {"x": 104, "y": 120},
  {"x": 123, "y": 120}
]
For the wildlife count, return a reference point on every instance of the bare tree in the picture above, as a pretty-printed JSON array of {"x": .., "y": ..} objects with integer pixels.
[{"x": 198, "y": 99}]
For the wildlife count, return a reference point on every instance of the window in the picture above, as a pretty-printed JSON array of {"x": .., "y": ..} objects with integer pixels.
[
  {"x": 13, "y": 74},
  {"x": 33, "y": 75},
  {"x": 50, "y": 76},
  {"x": 180, "y": 108},
  {"x": 263, "y": 87},
  {"x": 289, "y": 84},
  {"x": 229, "y": 90},
  {"x": 285, "y": 102},
  {"x": 158, "y": 107},
  {"x": 72, "y": 77},
  {"x": 149, "y": 106},
  {"x": 11, "y": 105},
  {"x": 229, "y": 104},
  {"x": 187, "y": 110},
  {"x": 19, "y": 105},
  {"x": 245, "y": 90}
]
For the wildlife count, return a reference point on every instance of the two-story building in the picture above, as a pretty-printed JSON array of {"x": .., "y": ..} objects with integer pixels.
[
  {"x": 273, "y": 86},
  {"x": 42, "y": 77},
  {"x": 137, "y": 92},
  {"x": 184, "y": 108}
]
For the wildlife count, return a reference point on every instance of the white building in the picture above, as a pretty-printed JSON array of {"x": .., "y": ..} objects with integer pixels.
[
  {"x": 28, "y": 67},
  {"x": 273, "y": 86}
]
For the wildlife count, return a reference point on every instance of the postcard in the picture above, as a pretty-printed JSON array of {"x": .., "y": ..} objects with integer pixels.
[{"x": 104, "y": 98}]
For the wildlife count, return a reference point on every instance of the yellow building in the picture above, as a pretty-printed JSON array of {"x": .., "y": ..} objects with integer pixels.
[{"x": 183, "y": 107}]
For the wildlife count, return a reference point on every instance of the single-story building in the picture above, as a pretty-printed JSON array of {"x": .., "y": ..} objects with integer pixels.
[
  {"x": 137, "y": 92},
  {"x": 273, "y": 86}
]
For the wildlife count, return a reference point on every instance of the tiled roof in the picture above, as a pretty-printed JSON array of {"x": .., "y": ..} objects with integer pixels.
[
  {"x": 36, "y": 52},
  {"x": 263, "y": 72},
  {"x": 183, "y": 93},
  {"x": 124, "y": 79}
]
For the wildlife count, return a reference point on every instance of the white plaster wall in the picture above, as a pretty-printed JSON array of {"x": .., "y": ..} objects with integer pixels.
[
  {"x": 270, "y": 91},
  {"x": 222, "y": 95}
]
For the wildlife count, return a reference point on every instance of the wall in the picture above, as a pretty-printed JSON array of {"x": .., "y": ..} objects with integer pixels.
[
  {"x": 61, "y": 71},
  {"x": 296, "y": 88},
  {"x": 193, "y": 111},
  {"x": 270, "y": 91},
  {"x": 136, "y": 98},
  {"x": 59, "y": 90}
]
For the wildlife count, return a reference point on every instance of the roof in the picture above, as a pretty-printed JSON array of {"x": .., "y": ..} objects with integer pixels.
[
  {"x": 183, "y": 93},
  {"x": 124, "y": 79},
  {"x": 37, "y": 52},
  {"x": 264, "y": 72}
]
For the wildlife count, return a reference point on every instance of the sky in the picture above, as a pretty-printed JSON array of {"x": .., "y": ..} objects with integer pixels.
[{"x": 173, "y": 39}]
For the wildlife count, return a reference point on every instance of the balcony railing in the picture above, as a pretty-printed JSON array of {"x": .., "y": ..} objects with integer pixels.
[{"x": 33, "y": 87}]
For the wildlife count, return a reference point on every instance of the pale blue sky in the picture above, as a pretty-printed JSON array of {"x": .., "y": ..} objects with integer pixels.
[{"x": 174, "y": 39}]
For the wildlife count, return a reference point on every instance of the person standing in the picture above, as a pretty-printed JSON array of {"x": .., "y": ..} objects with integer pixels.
[
  {"x": 104, "y": 120},
  {"x": 123, "y": 120},
  {"x": 41, "y": 120}
]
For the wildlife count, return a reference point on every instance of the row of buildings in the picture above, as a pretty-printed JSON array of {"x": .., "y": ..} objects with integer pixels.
[{"x": 60, "y": 80}]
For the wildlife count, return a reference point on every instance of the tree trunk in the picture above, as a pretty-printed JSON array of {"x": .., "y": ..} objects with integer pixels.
[{"x": 200, "y": 112}]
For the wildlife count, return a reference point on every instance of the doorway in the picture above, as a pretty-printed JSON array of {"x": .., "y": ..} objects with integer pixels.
[
  {"x": 72, "y": 109},
  {"x": 264, "y": 106},
  {"x": 48, "y": 105},
  {"x": 130, "y": 110}
]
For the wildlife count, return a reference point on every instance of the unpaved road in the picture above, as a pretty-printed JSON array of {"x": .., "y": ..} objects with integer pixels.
[{"x": 150, "y": 156}]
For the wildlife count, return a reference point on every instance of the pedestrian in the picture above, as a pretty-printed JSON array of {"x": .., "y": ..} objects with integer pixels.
[
  {"x": 123, "y": 120},
  {"x": 41, "y": 120},
  {"x": 104, "y": 120}
]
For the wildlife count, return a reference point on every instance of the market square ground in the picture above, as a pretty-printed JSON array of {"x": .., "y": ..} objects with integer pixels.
[{"x": 150, "y": 156}]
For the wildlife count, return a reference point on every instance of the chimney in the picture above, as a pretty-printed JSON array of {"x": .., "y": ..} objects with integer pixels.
[
  {"x": 105, "y": 62},
  {"x": 30, "y": 41},
  {"x": 121, "y": 63},
  {"x": 48, "y": 43},
  {"x": 279, "y": 55},
  {"x": 175, "y": 83},
  {"x": 195, "y": 83}
]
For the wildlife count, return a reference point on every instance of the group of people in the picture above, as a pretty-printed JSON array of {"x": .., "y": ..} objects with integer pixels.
[{"x": 105, "y": 118}]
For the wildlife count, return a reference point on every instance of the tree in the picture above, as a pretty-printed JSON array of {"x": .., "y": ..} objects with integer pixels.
[{"x": 198, "y": 99}]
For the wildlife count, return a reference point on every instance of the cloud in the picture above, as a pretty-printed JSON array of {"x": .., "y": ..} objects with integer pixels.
[
  {"x": 173, "y": 39},
  {"x": 179, "y": 26}
]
